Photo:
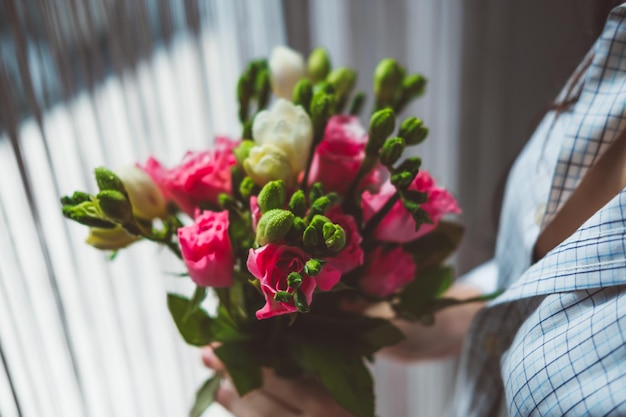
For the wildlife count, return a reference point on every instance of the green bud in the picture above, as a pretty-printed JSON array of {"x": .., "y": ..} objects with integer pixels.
[
  {"x": 247, "y": 187},
  {"x": 356, "y": 105},
  {"x": 413, "y": 86},
  {"x": 316, "y": 191},
  {"x": 343, "y": 79},
  {"x": 294, "y": 280},
  {"x": 388, "y": 77},
  {"x": 272, "y": 196},
  {"x": 262, "y": 88},
  {"x": 299, "y": 225},
  {"x": 322, "y": 108},
  {"x": 76, "y": 198},
  {"x": 242, "y": 151},
  {"x": 382, "y": 124},
  {"x": 319, "y": 221},
  {"x": 303, "y": 93},
  {"x": 411, "y": 164},
  {"x": 320, "y": 205},
  {"x": 107, "y": 180},
  {"x": 115, "y": 206},
  {"x": 89, "y": 214},
  {"x": 300, "y": 300},
  {"x": 401, "y": 179},
  {"x": 392, "y": 151},
  {"x": 324, "y": 87},
  {"x": 225, "y": 201},
  {"x": 110, "y": 239},
  {"x": 283, "y": 296},
  {"x": 310, "y": 237},
  {"x": 245, "y": 91},
  {"x": 413, "y": 131},
  {"x": 318, "y": 64},
  {"x": 297, "y": 203},
  {"x": 313, "y": 267},
  {"x": 273, "y": 226},
  {"x": 335, "y": 239}
]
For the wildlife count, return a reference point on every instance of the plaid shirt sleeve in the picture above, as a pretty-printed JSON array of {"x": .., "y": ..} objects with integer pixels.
[{"x": 554, "y": 343}]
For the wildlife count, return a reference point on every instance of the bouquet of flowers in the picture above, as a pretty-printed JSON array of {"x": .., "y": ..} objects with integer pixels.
[{"x": 297, "y": 227}]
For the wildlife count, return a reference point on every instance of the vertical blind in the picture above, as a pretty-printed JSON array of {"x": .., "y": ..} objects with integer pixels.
[{"x": 86, "y": 83}]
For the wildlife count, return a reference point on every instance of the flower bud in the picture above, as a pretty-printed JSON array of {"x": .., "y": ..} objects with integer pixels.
[
  {"x": 401, "y": 179},
  {"x": 413, "y": 131},
  {"x": 110, "y": 239},
  {"x": 247, "y": 187},
  {"x": 145, "y": 196},
  {"x": 318, "y": 64},
  {"x": 319, "y": 221},
  {"x": 322, "y": 108},
  {"x": 286, "y": 69},
  {"x": 266, "y": 163},
  {"x": 89, "y": 214},
  {"x": 245, "y": 91},
  {"x": 294, "y": 280},
  {"x": 343, "y": 79},
  {"x": 262, "y": 88},
  {"x": 297, "y": 203},
  {"x": 283, "y": 296},
  {"x": 310, "y": 237},
  {"x": 242, "y": 151},
  {"x": 303, "y": 93},
  {"x": 299, "y": 225},
  {"x": 391, "y": 151},
  {"x": 300, "y": 301},
  {"x": 356, "y": 105},
  {"x": 115, "y": 206},
  {"x": 272, "y": 196},
  {"x": 413, "y": 86},
  {"x": 411, "y": 164},
  {"x": 382, "y": 124},
  {"x": 313, "y": 267},
  {"x": 108, "y": 180},
  {"x": 316, "y": 191},
  {"x": 273, "y": 226},
  {"x": 388, "y": 77},
  {"x": 320, "y": 205},
  {"x": 76, "y": 198},
  {"x": 334, "y": 237}
]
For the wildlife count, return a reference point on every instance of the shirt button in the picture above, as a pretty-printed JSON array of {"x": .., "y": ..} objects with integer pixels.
[{"x": 541, "y": 209}]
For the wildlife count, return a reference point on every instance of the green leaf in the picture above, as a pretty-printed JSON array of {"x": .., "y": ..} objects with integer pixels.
[
  {"x": 198, "y": 297},
  {"x": 225, "y": 329},
  {"x": 433, "y": 248},
  {"x": 195, "y": 328},
  {"x": 205, "y": 395},
  {"x": 242, "y": 364},
  {"x": 416, "y": 297},
  {"x": 344, "y": 376}
]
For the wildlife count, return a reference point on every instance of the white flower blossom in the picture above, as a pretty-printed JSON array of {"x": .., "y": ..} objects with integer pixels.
[
  {"x": 267, "y": 163},
  {"x": 286, "y": 67},
  {"x": 287, "y": 127},
  {"x": 145, "y": 196}
]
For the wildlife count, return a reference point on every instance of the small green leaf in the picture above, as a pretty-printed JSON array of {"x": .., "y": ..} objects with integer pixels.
[
  {"x": 240, "y": 359},
  {"x": 417, "y": 296},
  {"x": 205, "y": 395},
  {"x": 195, "y": 328},
  {"x": 198, "y": 297},
  {"x": 343, "y": 375}
]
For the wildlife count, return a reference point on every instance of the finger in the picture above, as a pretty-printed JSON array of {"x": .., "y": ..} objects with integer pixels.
[
  {"x": 211, "y": 360},
  {"x": 254, "y": 404}
]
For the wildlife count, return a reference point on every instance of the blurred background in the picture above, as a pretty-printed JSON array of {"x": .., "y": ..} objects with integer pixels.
[{"x": 85, "y": 83}]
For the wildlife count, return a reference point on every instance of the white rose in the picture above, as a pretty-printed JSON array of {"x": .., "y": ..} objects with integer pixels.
[
  {"x": 267, "y": 163},
  {"x": 287, "y": 67},
  {"x": 287, "y": 127},
  {"x": 145, "y": 196}
]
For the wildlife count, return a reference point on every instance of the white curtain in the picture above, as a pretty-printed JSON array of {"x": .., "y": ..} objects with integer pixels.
[{"x": 104, "y": 83}]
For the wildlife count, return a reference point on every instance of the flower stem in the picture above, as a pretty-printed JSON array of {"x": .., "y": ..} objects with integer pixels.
[{"x": 377, "y": 218}]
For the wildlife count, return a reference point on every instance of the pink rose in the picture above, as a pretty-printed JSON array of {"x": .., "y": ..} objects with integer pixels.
[
  {"x": 207, "y": 251},
  {"x": 271, "y": 264},
  {"x": 338, "y": 157},
  {"x": 398, "y": 225},
  {"x": 200, "y": 177},
  {"x": 387, "y": 272},
  {"x": 351, "y": 256}
]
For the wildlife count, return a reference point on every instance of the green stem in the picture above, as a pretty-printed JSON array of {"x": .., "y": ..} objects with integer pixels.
[
  {"x": 377, "y": 218},
  {"x": 364, "y": 169}
]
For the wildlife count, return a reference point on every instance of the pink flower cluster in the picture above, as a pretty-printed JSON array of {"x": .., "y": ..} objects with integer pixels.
[{"x": 208, "y": 251}]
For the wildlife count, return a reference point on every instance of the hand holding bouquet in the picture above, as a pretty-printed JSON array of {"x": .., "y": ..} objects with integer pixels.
[{"x": 309, "y": 213}]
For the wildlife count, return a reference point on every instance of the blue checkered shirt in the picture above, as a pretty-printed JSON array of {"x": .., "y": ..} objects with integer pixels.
[{"x": 554, "y": 343}]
